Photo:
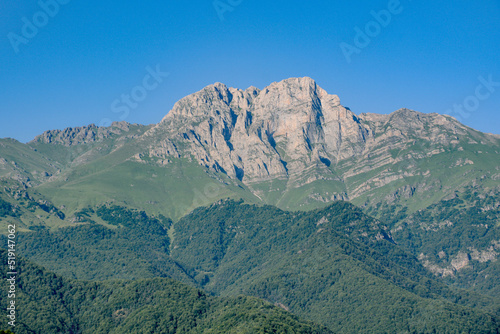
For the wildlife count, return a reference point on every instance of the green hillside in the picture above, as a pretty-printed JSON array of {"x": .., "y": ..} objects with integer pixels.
[
  {"x": 334, "y": 266},
  {"x": 458, "y": 239},
  {"x": 46, "y": 303}
]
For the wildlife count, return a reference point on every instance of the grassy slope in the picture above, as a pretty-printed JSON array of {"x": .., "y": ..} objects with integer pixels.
[
  {"x": 173, "y": 190},
  {"x": 21, "y": 159},
  {"x": 444, "y": 174}
]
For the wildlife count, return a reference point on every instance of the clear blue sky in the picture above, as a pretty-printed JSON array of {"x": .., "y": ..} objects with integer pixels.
[{"x": 430, "y": 56}]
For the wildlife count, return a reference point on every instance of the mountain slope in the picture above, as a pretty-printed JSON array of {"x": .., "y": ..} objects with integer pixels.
[
  {"x": 458, "y": 239},
  {"x": 334, "y": 266},
  {"x": 50, "y": 304},
  {"x": 291, "y": 145}
]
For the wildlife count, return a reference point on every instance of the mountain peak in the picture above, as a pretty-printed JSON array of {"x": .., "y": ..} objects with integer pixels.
[
  {"x": 216, "y": 98},
  {"x": 238, "y": 131},
  {"x": 295, "y": 86},
  {"x": 300, "y": 81},
  {"x": 219, "y": 86}
]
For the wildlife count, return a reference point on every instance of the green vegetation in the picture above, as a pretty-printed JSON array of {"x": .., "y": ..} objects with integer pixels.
[
  {"x": 50, "y": 304},
  {"x": 335, "y": 266},
  {"x": 133, "y": 246},
  {"x": 6, "y": 208},
  {"x": 26, "y": 208},
  {"x": 467, "y": 224}
]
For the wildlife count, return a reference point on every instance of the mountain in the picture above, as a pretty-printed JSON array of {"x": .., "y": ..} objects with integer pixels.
[
  {"x": 47, "y": 303},
  {"x": 430, "y": 182},
  {"x": 290, "y": 144}
]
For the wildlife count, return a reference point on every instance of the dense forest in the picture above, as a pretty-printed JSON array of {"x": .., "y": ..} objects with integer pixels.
[
  {"x": 132, "y": 245},
  {"x": 47, "y": 303},
  {"x": 334, "y": 266}
]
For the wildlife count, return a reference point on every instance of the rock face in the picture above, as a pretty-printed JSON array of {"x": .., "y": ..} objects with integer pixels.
[{"x": 287, "y": 128}]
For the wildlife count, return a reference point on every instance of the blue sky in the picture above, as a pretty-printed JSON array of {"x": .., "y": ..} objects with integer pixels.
[{"x": 378, "y": 56}]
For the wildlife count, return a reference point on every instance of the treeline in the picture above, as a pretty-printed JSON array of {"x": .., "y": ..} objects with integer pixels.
[{"x": 121, "y": 216}]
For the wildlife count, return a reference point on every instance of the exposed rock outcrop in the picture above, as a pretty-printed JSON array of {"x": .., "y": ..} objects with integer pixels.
[{"x": 82, "y": 135}]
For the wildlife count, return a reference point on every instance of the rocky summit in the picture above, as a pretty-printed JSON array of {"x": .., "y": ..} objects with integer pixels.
[{"x": 255, "y": 135}]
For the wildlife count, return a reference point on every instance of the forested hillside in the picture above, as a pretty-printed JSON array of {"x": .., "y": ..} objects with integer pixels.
[
  {"x": 458, "y": 239},
  {"x": 335, "y": 266},
  {"x": 47, "y": 303}
]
